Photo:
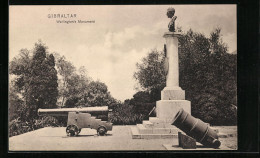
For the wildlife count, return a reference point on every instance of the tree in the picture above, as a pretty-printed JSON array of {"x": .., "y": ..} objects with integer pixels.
[
  {"x": 19, "y": 68},
  {"x": 19, "y": 75},
  {"x": 93, "y": 94},
  {"x": 142, "y": 102},
  {"x": 51, "y": 93},
  {"x": 97, "y": 94},
  {"x": 78, "y": 90},
  {"x": 42, "y": 84},
  {"x": 207, "y": 73},
  {"x": 34, "y": 79},
  {"x": 150, "y": 74},
  {"x": 66, "y": 70}
]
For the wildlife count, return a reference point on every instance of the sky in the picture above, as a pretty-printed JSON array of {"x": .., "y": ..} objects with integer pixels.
[{"x": 120, "y": 36}]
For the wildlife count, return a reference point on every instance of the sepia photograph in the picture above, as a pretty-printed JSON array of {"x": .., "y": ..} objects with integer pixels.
[{"x": 122, "y": 78}]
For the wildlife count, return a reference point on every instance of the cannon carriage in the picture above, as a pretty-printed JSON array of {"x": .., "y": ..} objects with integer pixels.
[{"x": 78, "y": 118}]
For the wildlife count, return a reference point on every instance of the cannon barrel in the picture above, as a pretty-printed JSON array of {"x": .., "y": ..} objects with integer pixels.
[
  {"x": 196, "y": 129},
  {"x": 99, "y": 110}
]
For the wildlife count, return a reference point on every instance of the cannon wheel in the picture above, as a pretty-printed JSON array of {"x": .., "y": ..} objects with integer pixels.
[
  {"x": 72, "y": 130},
  {"x": 101, "y": 130}
]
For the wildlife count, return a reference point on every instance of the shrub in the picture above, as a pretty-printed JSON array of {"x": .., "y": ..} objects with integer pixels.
[
  {"x": 17, "y": 126},
  {"x": 142, "y": 103},
  {"x": 213, "y": 109},
  {"x": 124, "y": 114}
]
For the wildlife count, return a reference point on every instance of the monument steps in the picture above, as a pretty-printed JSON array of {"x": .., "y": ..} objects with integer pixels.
[
  {"x": 156, "y": 120},
  {"x": 143, "y": 130},
  {"x": 148, "y": 124},
  {"x": 156, "y": 128},
  {"x": 137, "y": 135},
  {"x": 140, "y": 132}
]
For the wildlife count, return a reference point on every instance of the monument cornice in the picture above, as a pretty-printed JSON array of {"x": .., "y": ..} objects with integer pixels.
[{"x": 172, "y": 34}]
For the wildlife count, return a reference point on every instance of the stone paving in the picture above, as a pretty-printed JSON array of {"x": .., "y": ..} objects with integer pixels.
[{"x": 55, "y": 139}]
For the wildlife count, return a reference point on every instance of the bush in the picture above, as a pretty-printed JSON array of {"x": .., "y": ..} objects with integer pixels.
[
  {"x": 213, "y": 109},
  {"x": 17, "y": 126},
  {"x": 142, "y": 103},
  {"x": 124, "y": 114}
]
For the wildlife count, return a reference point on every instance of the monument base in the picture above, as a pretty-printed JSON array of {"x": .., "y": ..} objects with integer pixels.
[
  {"x": 167, "y": 109},
  {"x": 160, "y": 127},
  {"x": 154, "y": 128}
]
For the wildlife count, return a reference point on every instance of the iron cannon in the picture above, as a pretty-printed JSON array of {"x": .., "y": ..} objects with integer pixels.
[
  {"x": 196, "y": 129},
  {"x": 78, "y": 118}
]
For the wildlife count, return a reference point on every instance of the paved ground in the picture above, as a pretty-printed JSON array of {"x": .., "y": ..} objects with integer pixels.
[{"x": 49, "y": 139}]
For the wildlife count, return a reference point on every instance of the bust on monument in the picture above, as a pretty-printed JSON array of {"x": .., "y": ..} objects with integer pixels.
[{"x": 170, "y": 14}]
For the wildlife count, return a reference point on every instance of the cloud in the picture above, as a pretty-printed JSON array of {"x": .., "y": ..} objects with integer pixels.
[
  {"x": 113, "y": 66},
  {"x": 135, "y": 37},
  {"x": 119, "y": 39}
]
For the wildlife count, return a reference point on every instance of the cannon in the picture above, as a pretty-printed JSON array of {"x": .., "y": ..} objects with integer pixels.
[
  {"x": 78, "y": 118},
  {"x": 196, "y": 129}
]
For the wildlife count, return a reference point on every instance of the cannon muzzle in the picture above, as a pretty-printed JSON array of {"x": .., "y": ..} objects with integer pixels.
[
  {"x": 99, "y": 110},
  {"x": 196, "y": 129}
]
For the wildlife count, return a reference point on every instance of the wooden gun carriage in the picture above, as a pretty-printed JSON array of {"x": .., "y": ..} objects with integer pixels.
[{"x": 78, "y": 118}]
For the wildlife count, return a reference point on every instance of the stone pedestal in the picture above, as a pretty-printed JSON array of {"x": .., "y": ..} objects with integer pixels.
[{"x": 167, "y": 109}]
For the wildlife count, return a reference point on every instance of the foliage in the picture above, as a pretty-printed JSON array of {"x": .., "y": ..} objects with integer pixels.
[
  {"x": 124, "y": 114},
  {"x": 142, "y": 103},
  {"x": 34, "y": 84},
  {"x": 93, "y": 94},
  {"x": 132, "y": 111},
  {"x": 66, "y": 70},
  {"x": 19, "y": 67},
  {"x": 17, "y": 126},
  {"x": 76, "y": 89},
  {"x": 98, "y": 95},
  {"x": 149, "y": 70},
  {"x": 52, "y": 85},
  {"x": 207, "y": 73},
  {"x": 15, "y": 104},
  {"x": 42, "y": 89},
  {"x": 77, "y": 86}
]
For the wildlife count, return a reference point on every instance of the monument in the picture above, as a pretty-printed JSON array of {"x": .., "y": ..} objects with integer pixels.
[{"x": 172, "y": 96}]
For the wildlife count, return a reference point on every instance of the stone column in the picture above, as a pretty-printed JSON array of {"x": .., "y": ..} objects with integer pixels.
[
  {"x": 172, "y": 91},
  {"x": 172, "y": 96},
  {"x": 172, "y": 79}
]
